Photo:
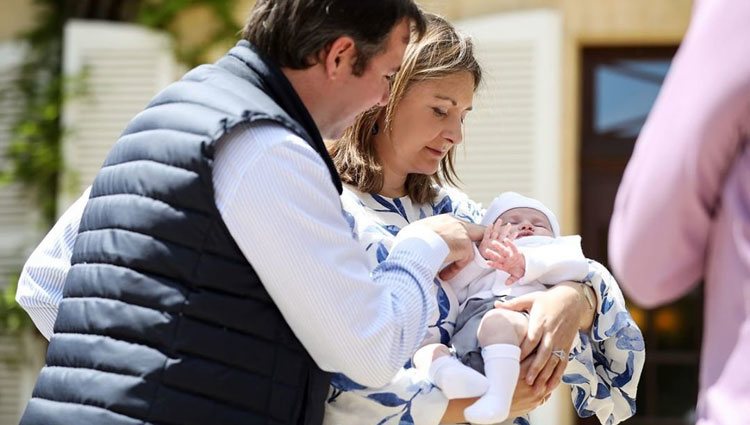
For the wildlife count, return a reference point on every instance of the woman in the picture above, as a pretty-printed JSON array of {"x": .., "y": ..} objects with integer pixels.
[{"x": 394, "y": 161}]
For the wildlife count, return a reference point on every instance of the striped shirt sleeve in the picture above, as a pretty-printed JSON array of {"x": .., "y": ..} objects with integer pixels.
[
  {"x": 40, "y": 286},
  {"x": 273, "y": 187}
]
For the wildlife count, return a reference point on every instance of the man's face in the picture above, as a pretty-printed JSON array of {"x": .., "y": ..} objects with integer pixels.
[{"x": 357, "y": 94}]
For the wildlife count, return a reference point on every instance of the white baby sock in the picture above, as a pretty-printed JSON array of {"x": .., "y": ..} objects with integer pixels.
[
  {"x": 455, "y": 379},
  {"x": 501, "y": 367}
]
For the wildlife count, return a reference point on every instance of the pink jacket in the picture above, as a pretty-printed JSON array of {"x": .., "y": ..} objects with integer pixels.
[{"x": 683, "y": 210}]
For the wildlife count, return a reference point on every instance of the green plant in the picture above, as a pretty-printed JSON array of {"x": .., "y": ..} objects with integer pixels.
[
  {"x": 34, "y": 149},
  {"x": 13, "y": 319},
  {"x": 162, "y": 14}
]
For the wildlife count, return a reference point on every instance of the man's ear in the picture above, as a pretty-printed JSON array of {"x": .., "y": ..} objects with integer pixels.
[{"x": 339, "y": 57}]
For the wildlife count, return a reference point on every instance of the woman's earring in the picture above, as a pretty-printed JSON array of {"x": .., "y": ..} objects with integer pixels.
[{"x": 375, "y": 129}]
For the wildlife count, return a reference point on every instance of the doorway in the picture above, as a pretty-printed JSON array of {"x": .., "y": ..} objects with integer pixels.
[{"x": 619, "y": 87}]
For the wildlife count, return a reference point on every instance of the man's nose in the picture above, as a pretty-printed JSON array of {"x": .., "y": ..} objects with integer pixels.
[{"x": 384, "y": 98}]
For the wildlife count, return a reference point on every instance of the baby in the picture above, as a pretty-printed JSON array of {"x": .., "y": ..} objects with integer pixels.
[{"x": 521, "y": 252}]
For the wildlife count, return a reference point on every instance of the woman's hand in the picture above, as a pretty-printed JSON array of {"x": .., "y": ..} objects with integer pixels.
[
  {"x": 555, "y": 316},
  {"x": 525, "y": 399},
  {"x": 528, "y": 397}
]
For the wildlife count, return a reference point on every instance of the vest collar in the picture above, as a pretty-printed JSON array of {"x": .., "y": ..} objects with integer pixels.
[{"x": 267, "y": 76}]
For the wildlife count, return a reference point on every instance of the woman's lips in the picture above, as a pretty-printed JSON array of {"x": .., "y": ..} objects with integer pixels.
[{"x": 436, "y": 152}]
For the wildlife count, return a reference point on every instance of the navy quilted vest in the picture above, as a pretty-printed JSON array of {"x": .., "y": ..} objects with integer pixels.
[{"x": 164, "y": 321}]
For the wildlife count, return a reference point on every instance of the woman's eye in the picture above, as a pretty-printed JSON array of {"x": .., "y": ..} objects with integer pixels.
[{"x": 439, "y": 112}]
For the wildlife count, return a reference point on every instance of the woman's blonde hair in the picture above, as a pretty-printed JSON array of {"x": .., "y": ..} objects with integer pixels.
[{"x": 441, "y": 52}]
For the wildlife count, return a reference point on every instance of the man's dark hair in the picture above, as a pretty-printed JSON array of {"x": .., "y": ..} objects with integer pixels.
[{"x": 293, "y": 33}]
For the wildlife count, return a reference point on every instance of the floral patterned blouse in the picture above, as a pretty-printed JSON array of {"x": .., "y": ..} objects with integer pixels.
[{"x": 605, "y": 364}]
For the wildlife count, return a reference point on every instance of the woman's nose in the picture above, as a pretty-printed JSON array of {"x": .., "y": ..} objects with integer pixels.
[{"x": 454, "y": 132}]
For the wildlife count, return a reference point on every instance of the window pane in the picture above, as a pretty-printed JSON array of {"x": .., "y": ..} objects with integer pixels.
[{"x": 625, "y": 92}]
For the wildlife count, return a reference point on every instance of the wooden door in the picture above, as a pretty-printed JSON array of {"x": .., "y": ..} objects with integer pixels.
[{"x": 619, "y": 86}]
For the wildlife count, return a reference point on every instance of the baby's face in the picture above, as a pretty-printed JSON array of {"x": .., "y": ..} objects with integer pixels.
[{"x": 527, "y": 222}]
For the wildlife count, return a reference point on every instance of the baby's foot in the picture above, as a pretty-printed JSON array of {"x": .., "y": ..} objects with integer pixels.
[{"x": 457, "y": 380}]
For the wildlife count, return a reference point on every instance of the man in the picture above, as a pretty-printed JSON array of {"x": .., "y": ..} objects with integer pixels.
[
  {"x": 683, "y": 209},
  {"x": 214, "y": 277}
]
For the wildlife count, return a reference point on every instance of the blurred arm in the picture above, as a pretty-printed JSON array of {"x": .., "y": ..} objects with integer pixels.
[{"x": 672, "y": 186}]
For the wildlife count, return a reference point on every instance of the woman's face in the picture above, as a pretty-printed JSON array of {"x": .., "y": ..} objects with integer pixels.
[{"x": 426, "y": 125}]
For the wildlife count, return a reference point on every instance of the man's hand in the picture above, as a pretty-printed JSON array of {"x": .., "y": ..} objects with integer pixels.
[{"x": 460, "y": 237}]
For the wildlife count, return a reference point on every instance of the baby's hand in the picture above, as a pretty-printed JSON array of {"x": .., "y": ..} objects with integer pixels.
[
  {"x": 496, "y": 232},
  {"x": 504, "y": 255}
]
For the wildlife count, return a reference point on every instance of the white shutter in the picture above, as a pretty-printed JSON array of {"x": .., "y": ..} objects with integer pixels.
[
  {"x": 512, "y": 138},
  {"x": 19, "y": 227},
  {"x": 126, "y": 65}
]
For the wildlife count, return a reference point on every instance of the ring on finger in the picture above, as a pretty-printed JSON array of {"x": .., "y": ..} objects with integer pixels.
[{"x": 560, "y": 354}]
